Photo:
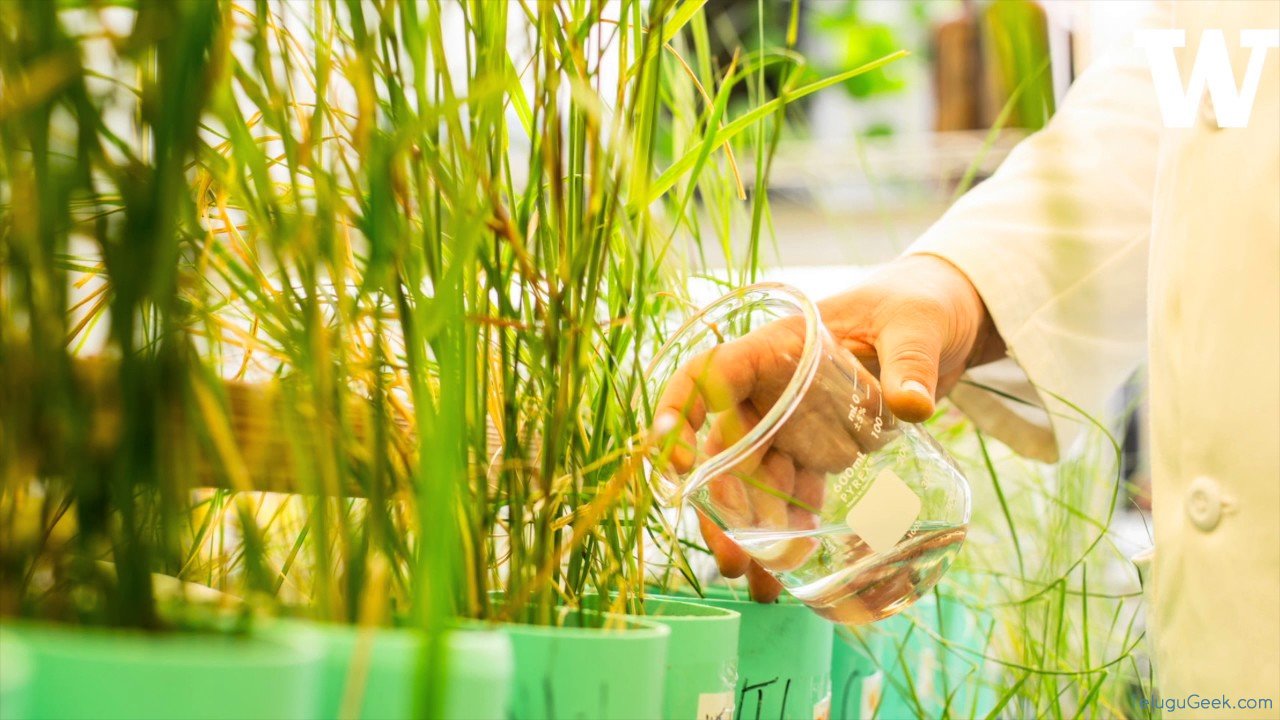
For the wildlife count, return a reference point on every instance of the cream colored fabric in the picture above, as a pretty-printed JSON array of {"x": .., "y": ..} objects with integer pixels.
[{"x": 1060, "y": 244}]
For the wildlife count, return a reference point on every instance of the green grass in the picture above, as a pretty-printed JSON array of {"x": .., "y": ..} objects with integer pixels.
[{"x": 429, "y": 244}]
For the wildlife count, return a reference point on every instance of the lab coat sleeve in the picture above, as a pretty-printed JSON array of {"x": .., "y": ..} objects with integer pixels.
[{"x": 1056, "y": 244}]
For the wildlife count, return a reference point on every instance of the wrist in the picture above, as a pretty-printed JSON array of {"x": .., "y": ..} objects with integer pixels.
[
  {"x": 988, "y": 346},
  {"x": 971, "y": 310}
]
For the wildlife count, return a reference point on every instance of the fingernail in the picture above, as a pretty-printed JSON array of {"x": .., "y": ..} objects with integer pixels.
[
  {"x": 914, "y": 386},
  {"x": 664, "y": 423}
]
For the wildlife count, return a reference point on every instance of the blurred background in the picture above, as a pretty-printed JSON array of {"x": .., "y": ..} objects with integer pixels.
[{"x": 862, "y": 169}]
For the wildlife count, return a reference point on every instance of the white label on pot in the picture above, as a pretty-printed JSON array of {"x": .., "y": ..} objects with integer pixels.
[
  {"x": 822, "y": 709},
  {"x": 715, "y": 706},
  {"x": 885, "y": 512},
  {"x": 928, "y": 669},
  {"x": 872, "y": 688}
]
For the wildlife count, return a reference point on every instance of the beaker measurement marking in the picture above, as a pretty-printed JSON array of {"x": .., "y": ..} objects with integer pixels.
[
  {"x": 851, "y": 483},
  {"x": 858, "y": 414}
]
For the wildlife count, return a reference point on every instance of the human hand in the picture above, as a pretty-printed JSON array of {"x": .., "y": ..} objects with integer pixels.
[{"x": 918, "y": 323}]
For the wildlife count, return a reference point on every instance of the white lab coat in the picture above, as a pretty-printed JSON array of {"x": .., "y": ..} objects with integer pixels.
[{"x": 1107, "y": 238}]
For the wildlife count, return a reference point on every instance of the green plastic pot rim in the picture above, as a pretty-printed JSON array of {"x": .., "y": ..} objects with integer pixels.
[
  {"x": 614, "y": 623},
  {"x": 693, "y": 611},
  {"x": 15, "y": 662},
  {"x": 720, "y": 592},
  {"x": 455, "y": 625},
  {"x": 267, "y": 647},
  {"x": 24, "y": 629},
  {"x": 618, "y": 627},
  {"x": 696, "y": 612}
]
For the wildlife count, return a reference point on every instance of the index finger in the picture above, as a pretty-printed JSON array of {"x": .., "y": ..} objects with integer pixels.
[
  {"x": 721, "y": 378},
  {"x": 714, "y": 381}
]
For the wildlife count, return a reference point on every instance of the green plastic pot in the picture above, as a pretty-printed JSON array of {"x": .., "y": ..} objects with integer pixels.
[
  {"x": 856, "y": 679},
  {"x": 95, "y": 673},
  {"x": 578, "y": 671},
  {"x": 784, "y": 657},
  {"x": 968, "y": 679},
  {"x": 910, "y": 658},
  {"x": 923, "y": 675},
  {"x": 15, "y": 678},
  {"x": 382, "y": 687},
  {"x": 481, "y": 675},
  {"x": 702, "y": 657}
]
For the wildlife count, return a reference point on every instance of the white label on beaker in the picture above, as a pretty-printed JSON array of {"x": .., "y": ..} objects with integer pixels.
[
  {"x": 715, "y": 706},
  {"x": 884, "y": 513}
]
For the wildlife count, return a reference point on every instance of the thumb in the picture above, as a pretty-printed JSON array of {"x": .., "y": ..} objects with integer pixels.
[{"x": 908, "y": 350}]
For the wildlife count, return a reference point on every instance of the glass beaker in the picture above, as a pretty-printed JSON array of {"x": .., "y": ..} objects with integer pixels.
[{"x": 778, "y": 435}]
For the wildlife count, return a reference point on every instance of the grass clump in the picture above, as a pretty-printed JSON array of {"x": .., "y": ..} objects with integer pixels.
[{"x": 402, "y": 258}]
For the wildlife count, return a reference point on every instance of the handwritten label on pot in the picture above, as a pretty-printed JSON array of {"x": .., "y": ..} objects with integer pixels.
[
  {"x": 871, "y": 691},
  {"x": 926, "y": 672},
  {"x": 822, "y": 709},
  {"x": 885, "y": 512},
  {"x": 715, "y": 706}
]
